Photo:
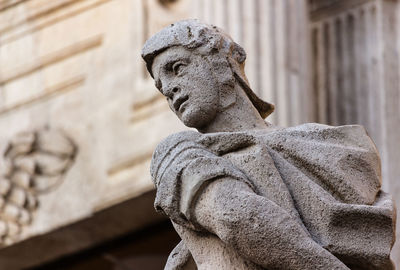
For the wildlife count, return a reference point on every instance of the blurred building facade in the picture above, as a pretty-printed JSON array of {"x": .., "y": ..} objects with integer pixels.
[{"x": 71, "y": 70}]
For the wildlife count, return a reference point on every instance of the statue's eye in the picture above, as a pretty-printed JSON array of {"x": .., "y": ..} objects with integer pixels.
[{"x": 177, "y": 67}]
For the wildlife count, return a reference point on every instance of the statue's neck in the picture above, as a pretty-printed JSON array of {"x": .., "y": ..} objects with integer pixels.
[{"x": 241, "y": 116}]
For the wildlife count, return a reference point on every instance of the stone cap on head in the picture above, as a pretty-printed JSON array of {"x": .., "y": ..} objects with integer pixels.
[{"x": 192, "y": 34}]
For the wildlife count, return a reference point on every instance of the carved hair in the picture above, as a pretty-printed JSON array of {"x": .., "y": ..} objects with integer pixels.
[{"x": 206, "y": 39}]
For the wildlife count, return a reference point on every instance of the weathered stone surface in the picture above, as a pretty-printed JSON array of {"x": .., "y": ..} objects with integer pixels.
[{"x": 244, "y": 194}]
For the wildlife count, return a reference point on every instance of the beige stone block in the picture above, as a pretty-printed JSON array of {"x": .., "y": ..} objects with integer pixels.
[{"x": 21, "y": 90}]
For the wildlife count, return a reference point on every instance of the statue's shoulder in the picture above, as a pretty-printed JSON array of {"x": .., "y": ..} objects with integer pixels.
[
  {"x": 218, "y": 143},
  {"x": 355, "y": 135},
  {"x": 317, "y": 128},
  {"x": 312, "y": 136},
  {"x": 170, "y": 144},
  {"x": 175, "y": 139},
  {"x": 342, "y": 159}
]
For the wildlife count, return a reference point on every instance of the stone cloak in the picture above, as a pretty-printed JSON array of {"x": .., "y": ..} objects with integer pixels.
[{"x": 327, "y": 178}]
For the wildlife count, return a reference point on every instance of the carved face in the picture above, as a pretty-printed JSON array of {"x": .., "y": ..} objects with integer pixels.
[{"x": 186, "y": 79}]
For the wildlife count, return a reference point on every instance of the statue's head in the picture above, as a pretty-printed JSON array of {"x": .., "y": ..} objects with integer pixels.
[{"x": 196, "y": 66}]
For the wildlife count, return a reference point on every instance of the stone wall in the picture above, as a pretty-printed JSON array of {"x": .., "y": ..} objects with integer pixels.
[{"x": 75, "y": 66}]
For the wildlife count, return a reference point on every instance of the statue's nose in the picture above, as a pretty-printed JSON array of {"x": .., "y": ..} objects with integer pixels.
[{"x": 171, "y": 91}]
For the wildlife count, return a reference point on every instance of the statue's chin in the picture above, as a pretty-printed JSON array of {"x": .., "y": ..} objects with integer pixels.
[
  {"x": 196, "y": 119},
  {"x": 192, "y": 123}
]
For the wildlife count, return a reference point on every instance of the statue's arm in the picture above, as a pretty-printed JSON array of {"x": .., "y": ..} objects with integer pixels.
[
  {"x": 180, "y": 259},
  {"x": 259, "y": 229},
  {"x": 204, "y": 192}
]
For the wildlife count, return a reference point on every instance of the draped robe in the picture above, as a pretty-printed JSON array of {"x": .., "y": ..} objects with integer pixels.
[{"x": 328, "y": 179}]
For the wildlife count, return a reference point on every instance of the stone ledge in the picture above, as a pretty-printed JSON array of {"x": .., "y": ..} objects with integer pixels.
[{"x": 105, "y": 225}]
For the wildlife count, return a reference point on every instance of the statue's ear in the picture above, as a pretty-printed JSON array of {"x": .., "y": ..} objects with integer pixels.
[
  {"x": 223, "y": 73},
  {"x": 238, "y": 53},
  {"x": 227, "y": 97}
]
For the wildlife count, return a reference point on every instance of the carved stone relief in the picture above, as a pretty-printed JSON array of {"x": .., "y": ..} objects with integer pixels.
[{"x": 36, "y": 162}]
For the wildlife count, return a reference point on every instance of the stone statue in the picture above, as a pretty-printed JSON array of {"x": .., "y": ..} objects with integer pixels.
[{"x": 244, "y": 194}]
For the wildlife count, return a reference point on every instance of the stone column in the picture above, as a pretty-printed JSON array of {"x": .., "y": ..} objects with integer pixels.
[
  {"x": 355, "y": 74},
  {"x": 272, "y": 33}
]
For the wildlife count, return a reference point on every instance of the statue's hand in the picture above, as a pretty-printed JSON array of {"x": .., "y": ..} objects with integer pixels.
[{"x": 180, "y": 259}]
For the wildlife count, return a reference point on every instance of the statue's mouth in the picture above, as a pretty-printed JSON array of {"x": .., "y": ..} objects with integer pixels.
[{"x": 179, "y": 102}]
